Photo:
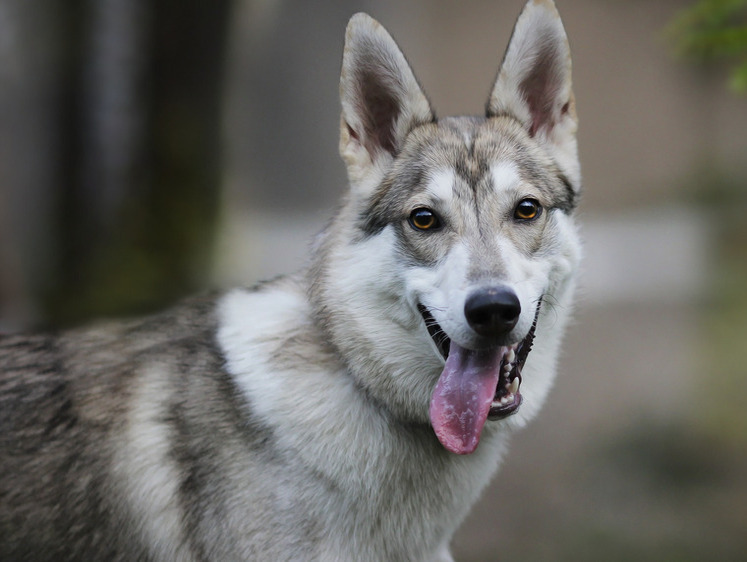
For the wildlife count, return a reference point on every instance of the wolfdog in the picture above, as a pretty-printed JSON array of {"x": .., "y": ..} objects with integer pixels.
[{"x": 353, "y": 411}]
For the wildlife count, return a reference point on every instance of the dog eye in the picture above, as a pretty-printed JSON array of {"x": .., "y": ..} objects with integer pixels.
[
  {"x": 424, "y": 219},
  {"x": 527, "y": 210}
]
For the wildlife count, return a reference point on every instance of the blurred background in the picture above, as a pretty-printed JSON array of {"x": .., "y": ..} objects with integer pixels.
[{"x": 153, "y": 149}]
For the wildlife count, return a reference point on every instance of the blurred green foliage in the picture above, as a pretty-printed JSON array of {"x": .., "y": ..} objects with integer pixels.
[
  {"x": 714, "y": 30},
  {"x": 709, "y": 32}
]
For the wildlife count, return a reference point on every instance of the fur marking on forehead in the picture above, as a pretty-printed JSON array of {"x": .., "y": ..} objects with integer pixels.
[
  {"x": 505, "y": 175},
  {"x": 441, "y": 184}
]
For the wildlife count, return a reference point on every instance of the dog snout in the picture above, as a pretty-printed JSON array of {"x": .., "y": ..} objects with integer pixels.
[{"x": 492, "y": 312}]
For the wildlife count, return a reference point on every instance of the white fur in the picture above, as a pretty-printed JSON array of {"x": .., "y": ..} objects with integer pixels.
[
  {"x": 444, "y": 290},
  {"x": 441, "y": 185},
  {"x": 247, "y": 320},
  {"x": 306, "y": 434},
  {"x": 368, "y": 288},
  {"x": 349, "y": 404},
  {"x": 333, "y": 430},
  {"x": 505, "y": 175},
  {"x": 148, "y": 476}
]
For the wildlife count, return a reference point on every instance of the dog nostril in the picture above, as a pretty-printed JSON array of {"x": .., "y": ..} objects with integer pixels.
[{"x": 492, "y": 312}]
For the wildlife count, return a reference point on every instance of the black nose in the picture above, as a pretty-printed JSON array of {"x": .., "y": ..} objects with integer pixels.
[{"x": 493, "y": 311}]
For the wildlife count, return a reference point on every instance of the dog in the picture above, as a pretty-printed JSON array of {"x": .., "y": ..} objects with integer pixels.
[{"x": 353, "y": 411}]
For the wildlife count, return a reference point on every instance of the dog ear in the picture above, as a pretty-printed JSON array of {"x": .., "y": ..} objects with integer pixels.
[
  {"x": 381, "y": 99},
  {"x": 534, "y": 84}
]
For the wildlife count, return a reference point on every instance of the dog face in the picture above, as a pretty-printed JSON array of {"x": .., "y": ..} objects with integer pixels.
[{"x": 456, "y": 245}]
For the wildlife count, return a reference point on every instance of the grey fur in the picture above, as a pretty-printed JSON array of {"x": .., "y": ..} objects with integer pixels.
[
  {"x": 291, "y": 421},
  {"x": 64, "y": 403}
]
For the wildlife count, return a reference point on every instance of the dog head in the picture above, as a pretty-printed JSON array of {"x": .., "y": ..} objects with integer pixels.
[{"x": 454, "y": 254}]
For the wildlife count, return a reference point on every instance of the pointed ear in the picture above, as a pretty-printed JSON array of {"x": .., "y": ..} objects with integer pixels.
[
  {"x": 381, "y": 99},
  {"x": 534, "y": 84}
]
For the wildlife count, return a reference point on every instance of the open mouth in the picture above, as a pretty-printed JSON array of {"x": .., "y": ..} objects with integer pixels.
[{"x": 506, "y": 398}]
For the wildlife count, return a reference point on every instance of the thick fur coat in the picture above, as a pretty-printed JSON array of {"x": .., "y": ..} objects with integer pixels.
[{"x": 354, "y": 410}]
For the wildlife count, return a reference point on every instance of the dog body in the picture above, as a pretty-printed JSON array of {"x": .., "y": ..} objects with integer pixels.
[{"x": 352, "y": 411}]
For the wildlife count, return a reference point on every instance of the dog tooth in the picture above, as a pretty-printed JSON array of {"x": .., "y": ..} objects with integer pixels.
[
  {"x": 511, "y": 356},
  {"x": 514, "y": 386}
]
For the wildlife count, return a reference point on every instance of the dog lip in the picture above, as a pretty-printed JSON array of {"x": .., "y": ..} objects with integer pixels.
[
  {"x": 508, "y": 399},
  {"x": 435, "y": 331},
  {"x": 498, "y": 411}
]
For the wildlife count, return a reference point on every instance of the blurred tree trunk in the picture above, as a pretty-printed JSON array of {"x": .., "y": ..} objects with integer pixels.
[{"x": 139, "y": 165}]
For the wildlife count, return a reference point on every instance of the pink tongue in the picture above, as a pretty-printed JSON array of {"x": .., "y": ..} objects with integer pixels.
[{"x": 461, "y": 400}]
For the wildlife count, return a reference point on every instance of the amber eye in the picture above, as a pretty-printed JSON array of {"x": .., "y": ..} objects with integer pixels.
[
  {"x": 527, "y": 210},
  {"x": 424, "y": 219}
]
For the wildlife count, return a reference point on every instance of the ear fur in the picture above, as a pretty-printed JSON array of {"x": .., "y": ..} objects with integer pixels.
[
  {"x": 534, "y": 84},
  {"x": 381, "y": 99}
]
